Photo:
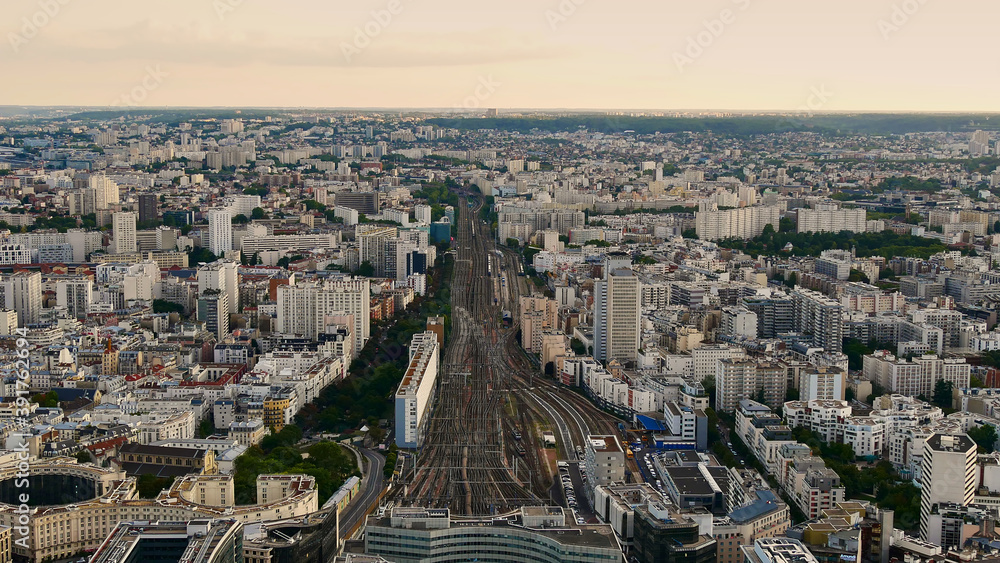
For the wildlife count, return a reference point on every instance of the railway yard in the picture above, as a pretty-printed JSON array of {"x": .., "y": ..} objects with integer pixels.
[{"x": 483, "y": 452}]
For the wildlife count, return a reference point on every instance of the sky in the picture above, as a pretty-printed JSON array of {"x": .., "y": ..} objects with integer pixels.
[{"x": 782, "y": 55}]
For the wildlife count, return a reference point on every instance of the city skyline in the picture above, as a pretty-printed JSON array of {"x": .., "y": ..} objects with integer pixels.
[{"x": 739, "y": 55}]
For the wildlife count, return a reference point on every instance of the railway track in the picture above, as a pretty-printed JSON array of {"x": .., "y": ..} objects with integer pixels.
[{"x": 488, "y": 390}]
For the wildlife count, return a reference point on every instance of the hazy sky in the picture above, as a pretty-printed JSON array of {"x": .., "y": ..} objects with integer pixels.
[{"x": 630, "y": 54}]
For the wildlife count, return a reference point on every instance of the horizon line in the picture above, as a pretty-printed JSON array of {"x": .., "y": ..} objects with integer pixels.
[{"x": 476, "y": 111}]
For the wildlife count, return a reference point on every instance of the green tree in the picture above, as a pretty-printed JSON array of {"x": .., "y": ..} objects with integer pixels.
[
  {"x": 786, "y": 225},
  {"x": 162, "y": 306},
  {"x": 258, "y": 213},
  {"x": 942, "y": 394},
  {"x": 366, "y": 269},
  {"x": 985, "y": 437},
  {"x": 149, "y": 486},
  {"x": 46, "y": 400},
  {"x": 858, "y": 276},
  {"x": 201, "y": 254},
  {"x": 206, "y": 428}
]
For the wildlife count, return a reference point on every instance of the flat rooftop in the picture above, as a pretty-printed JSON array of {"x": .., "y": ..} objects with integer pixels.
[{"x": 604, "y": 443}]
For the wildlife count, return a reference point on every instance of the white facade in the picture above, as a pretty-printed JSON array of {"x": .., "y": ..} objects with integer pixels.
[
  {"x": 308, "y": 309},
  {"x": 745, "y": 222},
  {"x": 220, "y": 231},
  {"x": 414, "y": 396},
  {"x": 828, "y": 219},
  {"x": 124, "y": 232},
  {"x": 948, "y": 476},
  {"x": 616, "y": 316}
]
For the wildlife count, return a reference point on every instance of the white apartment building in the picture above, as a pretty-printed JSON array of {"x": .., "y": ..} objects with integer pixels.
[
  {"x": 22, "y": 292},
  {"x": 605, "y": 462},
  {"x": 616, "y": 316},
  {"x": 916, "y": 377},
  {"x": 817, "y": 315},
  {"x": 826, "y": 383},
  {"x": 422, "y": 214},
  {"x": 739, "y": 321},
  {"x": 745, "y": 222},
  {"x": 224, "y": 276},
  {"x": 373, "y": 244},
  {"x": 123, "y": 224},
  {"x": 14, "y": 254},
  {"x": 948, "y": 476},
  {"x": 830, "y": 219},
  {"x": 310, "y": 308},
  {"x": 220, "y": 231},
  {"x": 76, "y": 294},
  {"x": 706, "y": 358},
  {"x": 415, "y": 394}
]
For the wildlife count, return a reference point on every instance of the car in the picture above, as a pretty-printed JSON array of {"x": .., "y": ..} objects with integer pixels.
[{"x": 581, "y": 521}]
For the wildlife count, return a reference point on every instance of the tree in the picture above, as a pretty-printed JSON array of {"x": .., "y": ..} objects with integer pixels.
[
  {"x": 149, "y": 486},
  {"x": 761, "y": 397},
  {"x": 786, "y": 225},
  {"x": 985, "y": 437},
  {"x": 792, "y": 280},
  {"x": 46, "y": 400},
  {"x": 849, "y": 394},
  {"x": 366, "y": 269},
  {"x": 201, "y": 254},
  {"x": 513, "y": 243},
  {"x": 83, "y": 456},
  {"x": 241, "y": 219},
  {"x": 942, "y": 393},
  {"x": 708, "y": 384},
  {"x": 877, "y": 391},
  {"x": 258, "y": 213},
  {"x": 162, "y": 306},
  {"x": 886, "y": 274},
  {"x": 205, "y": 428},
  {"x": 858, "y": 276}
]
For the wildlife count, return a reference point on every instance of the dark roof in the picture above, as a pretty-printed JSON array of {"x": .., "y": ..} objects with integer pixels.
[
  {"x": 67, "y": 394},
  {"x": 157, "y": 470},
  {"x": 162, "y": 451}
]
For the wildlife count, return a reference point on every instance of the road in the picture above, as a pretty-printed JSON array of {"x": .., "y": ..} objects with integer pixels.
[{"x": 371, "y": 487}]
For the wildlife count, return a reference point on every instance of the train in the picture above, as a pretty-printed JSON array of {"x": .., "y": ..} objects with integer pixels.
[{"x": 520, "y": 449}]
